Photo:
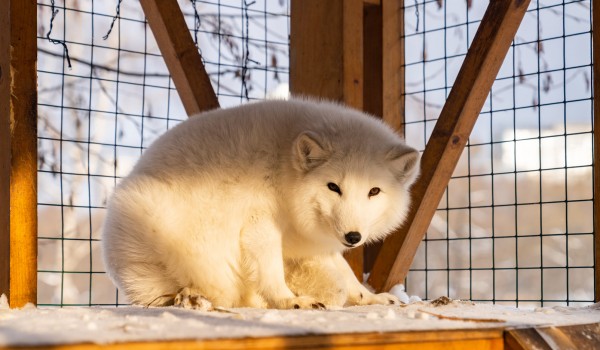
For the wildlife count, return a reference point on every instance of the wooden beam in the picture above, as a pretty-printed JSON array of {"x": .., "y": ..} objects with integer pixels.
[
  {"x": 373, "y": 2},
  {"x": 181, "y": 55},
  {"x": 18, "y": 151},
  {"x": 325, "y": 50},
  {"x": 393, "y": 64},
  {"x": 326, "y": 60},
  {"x": 449, "y": 137},
  {"x": 596, "y": 77},
  {"x": 372, "y": 92},
  {"x": 473, "y": 339},
  {"x": 583, "y": 336},
  {"x": 384, "y": 74},
  {"x": 372, "y": 61}
]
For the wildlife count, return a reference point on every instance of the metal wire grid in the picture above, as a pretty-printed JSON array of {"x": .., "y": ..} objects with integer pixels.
[
  {"x": 515, "y": 225},
  {"x": 96, "y": 118}
]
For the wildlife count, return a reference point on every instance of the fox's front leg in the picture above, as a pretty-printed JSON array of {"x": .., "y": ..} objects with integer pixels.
[
  {"x": 357, "y": 293},
  {"x": 263, "y": 258}
]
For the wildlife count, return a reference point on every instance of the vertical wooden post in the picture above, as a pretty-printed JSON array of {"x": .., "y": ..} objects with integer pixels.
[
  {"x": 326, "y": 59},
  {"x": 18, "y": 151},
  {"x": 449, "y": 137},
  {"x": 384, "y": 73},
  {"x": 373, "y": 85},
  {"x": 181, "y": 55},
  {"x": 596, "y": 77},
  {"x": 372, "y": 65},
  {"x": 393, "y": 69}
]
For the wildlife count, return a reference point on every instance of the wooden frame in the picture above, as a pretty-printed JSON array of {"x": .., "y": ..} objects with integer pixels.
[
  {"x": 18, "y": 151},
  {"x": 473, "y": 339},
  {"x": 372, "y": 81},
  {"x": 325, "y": 34},
  {"x": 383, "y": 57},
  {"x": 475, "y": 78},
  {"x": 584, "y": 336}
]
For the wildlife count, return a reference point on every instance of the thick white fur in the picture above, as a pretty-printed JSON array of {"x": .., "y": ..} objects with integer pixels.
[{"x": 234, "y": 205}]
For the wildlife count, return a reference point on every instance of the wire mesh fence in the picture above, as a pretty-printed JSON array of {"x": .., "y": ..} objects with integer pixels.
[
  {"x": 97, "y": 116},
  {"x": 515, "y": 225}
]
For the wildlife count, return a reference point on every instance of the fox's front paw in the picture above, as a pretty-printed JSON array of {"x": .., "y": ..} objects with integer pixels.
[
  {"x": 379, "y": 299},
  {"x": 187, "y": 298},
  {"x": 301, "y": 302}
]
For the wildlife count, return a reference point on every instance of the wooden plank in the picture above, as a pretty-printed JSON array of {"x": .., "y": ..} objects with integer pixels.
[
  {"x": 449, "y": 137},
  {"x": 323, "y": 35},
  {"x": 325, "y": 61},
  {"x": 181, "y": 55},
  {"x": 596, "y": 77},
  {"x": 393, "y": 64},
  {"x": 524, "y": 339},
  {"x": 18, "y": 151},
  {"x": 353, "y": 81},
  {"x": 489, "y": 339},
  {"x": 586, "y": 336},
  {"x": 372, "y": 61},
  {"x": 352, "y": 36},
  {"x": 308, "y": 36},
  {"x": 373, "y": 2},
  {"x": 372, "y": 92},
  {"x": 384, "y": 75}
]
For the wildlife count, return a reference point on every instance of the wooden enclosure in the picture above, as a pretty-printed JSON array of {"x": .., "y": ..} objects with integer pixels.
[{"x": 345, "y": 50}]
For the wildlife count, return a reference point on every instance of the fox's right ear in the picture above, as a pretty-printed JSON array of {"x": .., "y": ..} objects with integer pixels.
[
  {"x": 405, "y": 162},
  {"x": 309, "y": 152}
]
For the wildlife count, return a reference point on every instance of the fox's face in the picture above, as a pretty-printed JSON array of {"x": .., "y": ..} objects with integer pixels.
[{"x": 344, "y": 200}]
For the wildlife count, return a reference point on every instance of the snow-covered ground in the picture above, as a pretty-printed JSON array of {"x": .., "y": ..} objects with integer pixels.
[{"x": 48, "y": 326}]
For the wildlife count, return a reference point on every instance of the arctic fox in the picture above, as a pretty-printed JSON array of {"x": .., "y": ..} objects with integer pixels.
[{"x": 253, "y": 206}]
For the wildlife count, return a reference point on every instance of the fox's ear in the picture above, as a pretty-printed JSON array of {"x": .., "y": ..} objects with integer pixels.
[
  {"x": 405, "y": 162},
  {"x": 309, "y": 151}
]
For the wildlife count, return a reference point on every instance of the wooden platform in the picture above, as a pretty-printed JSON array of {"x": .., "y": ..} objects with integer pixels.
[{"x": 578, "y": 337}]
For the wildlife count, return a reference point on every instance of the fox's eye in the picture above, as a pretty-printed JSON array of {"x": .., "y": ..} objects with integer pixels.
[
  {"x": 374, "y": 191},
  {"x": 335, "y": 188}
]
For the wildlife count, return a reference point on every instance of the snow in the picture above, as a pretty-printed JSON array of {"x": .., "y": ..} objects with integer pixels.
[
  {"x": 399, "y": 291},
  {"x": 51, "y": 326}
]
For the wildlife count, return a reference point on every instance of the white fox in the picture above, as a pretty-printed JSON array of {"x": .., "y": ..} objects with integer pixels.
[{"x": 253, "y": 206}]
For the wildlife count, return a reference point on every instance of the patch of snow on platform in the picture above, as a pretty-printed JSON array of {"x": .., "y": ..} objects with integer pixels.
[{"x": 51, "y": 326}]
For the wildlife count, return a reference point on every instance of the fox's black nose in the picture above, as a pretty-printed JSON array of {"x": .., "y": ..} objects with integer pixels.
[{"x": 353, "y": 237}]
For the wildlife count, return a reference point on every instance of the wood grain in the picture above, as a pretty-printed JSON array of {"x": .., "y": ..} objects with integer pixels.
[
  {"x": 372, "y": 91},
  {"x": 353, "y": 84},
  {"x": 596, "y": 77},
  {"x": 393, "y": 64},
  {"x": 18, "y": 151},
  {"x": 384, "y": 75},
  {"x": 181, "y": 55},
  {"x": 489, "y": 339},
  {"x": 373, "y": 2},
  {"x": 316, "y": 49},
  {"x": 449, "y": 137},
  {"x": 586, "y": 336},
  {"x": 326, "y": 60},
  {"x": 372, "y": 61}
]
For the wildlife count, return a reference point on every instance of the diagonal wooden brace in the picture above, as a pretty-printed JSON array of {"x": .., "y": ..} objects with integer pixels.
[
  {"x": 181, "y": 55},
  {"x": 450, "y": 135}
]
